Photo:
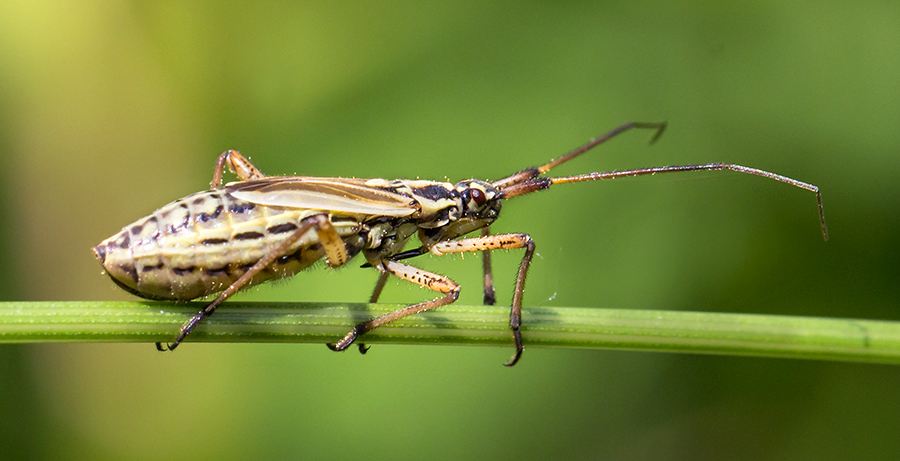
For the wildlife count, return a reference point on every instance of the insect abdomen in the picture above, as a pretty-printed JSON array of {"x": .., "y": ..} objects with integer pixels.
[{"x": 202, "y": 243}]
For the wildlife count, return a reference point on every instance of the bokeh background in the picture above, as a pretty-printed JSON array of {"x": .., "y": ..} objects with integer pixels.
[{"x": 109, "y": 110}]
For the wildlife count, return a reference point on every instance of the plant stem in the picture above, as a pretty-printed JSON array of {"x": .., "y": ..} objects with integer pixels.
[{"x": 673, "y": 331}]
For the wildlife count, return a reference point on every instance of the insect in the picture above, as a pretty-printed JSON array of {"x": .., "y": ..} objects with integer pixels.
[{"x": 263, "y": 228}]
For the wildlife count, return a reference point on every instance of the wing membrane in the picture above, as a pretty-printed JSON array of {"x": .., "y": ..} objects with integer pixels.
[{"x": 346, "y": 195}]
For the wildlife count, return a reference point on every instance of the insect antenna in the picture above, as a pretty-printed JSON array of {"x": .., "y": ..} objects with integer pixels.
[
  {"x": 533, "y": 172},
  {"x": 529, "y": 180}
]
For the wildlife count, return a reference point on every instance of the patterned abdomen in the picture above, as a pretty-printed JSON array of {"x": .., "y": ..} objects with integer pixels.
[{"x": 202, "y": 243}]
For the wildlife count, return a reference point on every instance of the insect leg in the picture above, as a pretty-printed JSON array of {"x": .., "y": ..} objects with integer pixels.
[
  {"x": 382, "y": 280},
  {"x": 376, "y": 293},
  {"x": 489, "y": 295},
  {"x": 327, "y": 236},
  {"x": 499, "y": 242},
  {"x": 435, "y": 282},
  {"x": 238, "y": 164}
]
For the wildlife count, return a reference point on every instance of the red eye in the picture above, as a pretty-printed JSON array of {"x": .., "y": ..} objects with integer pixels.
[{"x": 478, "y": 196}]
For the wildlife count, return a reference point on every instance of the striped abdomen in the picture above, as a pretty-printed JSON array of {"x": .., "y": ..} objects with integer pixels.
[{"x": 202, "y": 243}]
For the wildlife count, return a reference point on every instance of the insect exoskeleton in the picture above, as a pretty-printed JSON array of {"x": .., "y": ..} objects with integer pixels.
[
  {"x": 264, "y": 228},
  {"x": 203, "y": 243}
]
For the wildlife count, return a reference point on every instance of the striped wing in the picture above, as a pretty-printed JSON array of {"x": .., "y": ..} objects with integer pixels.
[{"x": 340, "y": 195}]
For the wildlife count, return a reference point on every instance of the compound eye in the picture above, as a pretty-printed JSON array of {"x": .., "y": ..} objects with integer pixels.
[{"x": 478, "y": 196}]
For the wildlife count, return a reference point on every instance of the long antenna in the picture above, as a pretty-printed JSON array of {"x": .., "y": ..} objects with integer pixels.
[
  {"x": 529, "y": 180},
  {"x": 659, "y": 127}
]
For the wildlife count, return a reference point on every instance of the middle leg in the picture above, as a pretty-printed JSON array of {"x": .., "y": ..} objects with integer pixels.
[{"x": 429, "y": 280}]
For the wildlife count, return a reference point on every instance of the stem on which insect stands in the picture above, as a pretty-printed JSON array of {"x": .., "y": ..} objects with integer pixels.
[{"x": 852, "y": 340}]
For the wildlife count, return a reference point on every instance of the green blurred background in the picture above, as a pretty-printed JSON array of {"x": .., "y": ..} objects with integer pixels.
[{"x": 109, "y": 110}]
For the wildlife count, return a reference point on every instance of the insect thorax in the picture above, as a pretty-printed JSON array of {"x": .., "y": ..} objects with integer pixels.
[{"x": 476, "y": 204}]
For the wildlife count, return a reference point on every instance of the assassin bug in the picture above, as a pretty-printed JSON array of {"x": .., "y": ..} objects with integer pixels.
[{"x": 263, "y": 228}]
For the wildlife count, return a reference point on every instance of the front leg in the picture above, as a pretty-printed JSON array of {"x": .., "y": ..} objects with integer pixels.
[{"x": 486, "y": 243}]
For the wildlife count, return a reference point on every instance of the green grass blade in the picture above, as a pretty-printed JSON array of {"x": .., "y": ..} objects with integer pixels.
[{"x": 631, "y": 329}]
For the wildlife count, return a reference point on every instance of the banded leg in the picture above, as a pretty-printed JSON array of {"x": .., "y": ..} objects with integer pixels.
[
  {"x": 499, "y": 242},
  {"x": 334, "y": 248},
  {"x": 237, "y": 164},
  {"x": 426, "y": 279},
  {"x": 489, "y": 294}
]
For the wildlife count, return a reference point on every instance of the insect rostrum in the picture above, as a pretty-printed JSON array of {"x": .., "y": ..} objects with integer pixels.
[{"x": 263, "y": 228}]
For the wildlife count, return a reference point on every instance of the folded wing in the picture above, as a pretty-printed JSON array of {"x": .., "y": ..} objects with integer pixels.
[{"x": 340, "y": 195}]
